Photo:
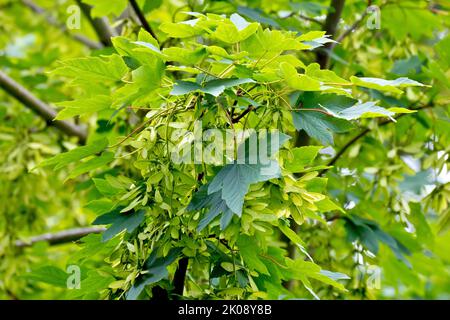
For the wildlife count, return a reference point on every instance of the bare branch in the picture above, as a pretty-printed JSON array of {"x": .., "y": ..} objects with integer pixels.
[
  {"x": 42, "y": 109},
  {"x": 360, "y": 135},
  {"x": 301, "y": 16},
  {"x": 356, "y": 24},
  {"x": 53, "y": 22},
  {"x": 240, "y": 116},
  {"x": 101, "y": 26},
  {"x": 179, "y": 277},
  {"x": 141, "y": 17},
  {"x": 60, "y": 237},
  {"x": 331, "y": 24}
]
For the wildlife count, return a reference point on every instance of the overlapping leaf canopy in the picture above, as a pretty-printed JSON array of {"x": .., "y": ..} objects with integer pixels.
[{"x": 358, "y": 179}]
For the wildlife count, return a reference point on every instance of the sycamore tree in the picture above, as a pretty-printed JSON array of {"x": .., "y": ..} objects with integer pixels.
[{"x": 224, "y": 149}]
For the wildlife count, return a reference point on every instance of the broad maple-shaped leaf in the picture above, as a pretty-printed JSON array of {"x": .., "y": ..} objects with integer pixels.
[
  {"x": 370, "y": 234},
  {"x": 216, "y": 206},
  {"x": 119, "y": 221},
  {"x": 213, "y": 87},
  {"x": 63, "y": 159},
  {"x": 363, "y": 110},
  {"x": 393, "y": 86},
  {"x": 225, "y": 193},
  {"x": 155, "y": 268},
  {"x": 320, "y": 126}
]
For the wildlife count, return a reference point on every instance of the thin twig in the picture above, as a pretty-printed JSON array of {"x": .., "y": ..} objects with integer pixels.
[
  {"x": 356, "y": 24},
  {"x": 135, "y": 130},
  {"x": 360, "y": 135},
  {"x": 141, "y": 17},
  {"x": 320, "y": 23},
  {"x": 240, "y": 116},
  {"x": 59, "y": 237},
  {"x": 101, "y": 26},
  {"x": 330, "y": 27}
]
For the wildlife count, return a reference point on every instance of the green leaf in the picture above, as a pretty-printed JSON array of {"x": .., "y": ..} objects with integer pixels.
[
  {"x": 222, "y": 53},
  {"x": 150, "y": 5},
  {"x": 151, "y": 46},
  {"x": 83, "y": 106},
  {"x": 302, "y": 157},
  {"x": 49, "y": 274},
  {"x": 212, "y": 87},
  {"x": 180, "y": 30},
  {"x": 216, "y": 206},
  {"x": 112, "y": 68},
  {"x": 418, "y": 219},
  {"x": 318, "y": 42},
  {"x": 226, "y": 191},
  {"x": 100, "y": 206},
  {"x": 385, "y": 85},
  {"x": 106, "y": 188},
  {"x": 370, "y": 233},
  {"x": 298, "y": 81},
  {"x": 103, "y": 8},
  {"x": 258, "y": 15},
  {"x": 326, "y": 76},
  {"x": 156, "y": 270},
  {"x": 145, "y": 79},
  {"x": 332, "y": 102},
  {"x": 119, "y": 221},
  {"x": 288, "y": 232},
  {"x": 185, "y": 56},
  {"x": 330, "y": 278},
  {"x": 305, "y": 269},
  {"x": 400, "y": 110},
  {"x": 320, "y": 126},
  {"x": 406, "y": 66},
  {"x": 63, "y": 159},
  {"x": 216, "y": 87},
  {"x": 92, "y": 164},
  {"x": 271, "y": 43},
  {"x": 184, "y": 87},
  {"x": 92, "y": 285},
  {"x": 249, "y": 249},
  {"x": 234, "y": 180},
  {"x": 234, "y": 30},
  {"x": 417, "y": 182},
  {"x": 363, "y": 110},
  {"x": 311, "y": 35},
  {"x": 143, "y": 52},
  {"x": 326, "y": 205}
]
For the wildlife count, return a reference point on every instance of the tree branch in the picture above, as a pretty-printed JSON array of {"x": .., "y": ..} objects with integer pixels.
[
  {"x": 42, "y": 109},
  {"x": 180, "y": 276},
  {"x": 355, "y": 25},
  {"x": 363, "y": 133},
  {"x": 53, "y": 22},
  {"x": 301, "y": 16},
  {"x": 331, "y": 24},
  {"x": 141, "y": 17},
  {"x": 301, "y": 138},
  {"x": 60, "y": 237},
  {"x": 240, "y": 116},
  {"x": 100, "y": 25}
]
